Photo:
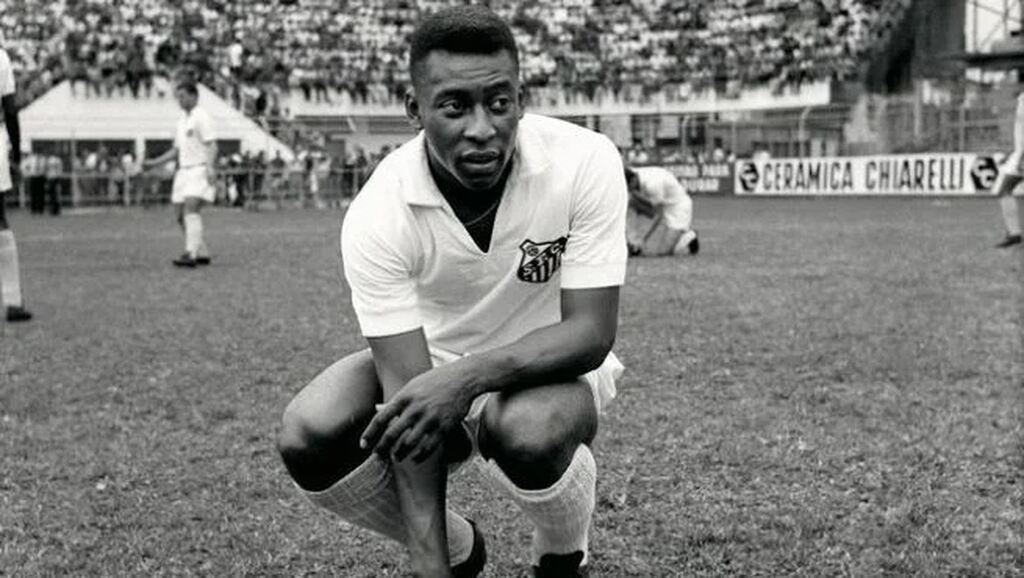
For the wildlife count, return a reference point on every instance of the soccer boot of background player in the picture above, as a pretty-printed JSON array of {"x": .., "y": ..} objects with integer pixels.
[
  {"x": 186, "y": 261},
  {"x": 561, "y": 566},
  {"x": 687, "y": 243},
  {"x": 1009, "y": 241},
  {"x": 17, "y": 314},
  {"x": 473, "y": 565}
]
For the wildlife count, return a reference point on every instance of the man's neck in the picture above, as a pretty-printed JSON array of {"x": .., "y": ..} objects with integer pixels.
[{"x": 466, "y": 202}]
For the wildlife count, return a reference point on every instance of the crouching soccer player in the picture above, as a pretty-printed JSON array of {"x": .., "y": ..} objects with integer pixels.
[
  {"x": 484, "y": 259},
  {"x": 660, "y": 214},
  {"x": 10, "y": 160}
]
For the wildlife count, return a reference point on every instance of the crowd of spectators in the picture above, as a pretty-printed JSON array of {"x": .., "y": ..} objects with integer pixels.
[{"x": 257, "y": 52}]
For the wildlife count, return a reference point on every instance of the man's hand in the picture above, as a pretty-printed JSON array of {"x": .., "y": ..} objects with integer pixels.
[{"x": 416, "y": 421}]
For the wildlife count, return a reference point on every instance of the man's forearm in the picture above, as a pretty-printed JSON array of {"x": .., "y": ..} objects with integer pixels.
[{"x": 559, "y": 352}]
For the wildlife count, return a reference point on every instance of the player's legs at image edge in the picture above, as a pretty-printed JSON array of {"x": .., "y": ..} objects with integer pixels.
[
  {"x": 10, "y": 274},
  {"x": 1005, "y": 184}
]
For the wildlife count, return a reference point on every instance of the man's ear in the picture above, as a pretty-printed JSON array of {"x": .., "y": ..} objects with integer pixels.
[
  {"x": 521, "y": 96},
  {"x": 412, "y": 110}
]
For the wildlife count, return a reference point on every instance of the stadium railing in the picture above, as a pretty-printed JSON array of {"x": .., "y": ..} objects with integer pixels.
[{"x": 242, "y": 188}]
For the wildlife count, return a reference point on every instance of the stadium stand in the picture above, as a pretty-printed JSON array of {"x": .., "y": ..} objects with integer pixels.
[{"x": 260, "y": 54}]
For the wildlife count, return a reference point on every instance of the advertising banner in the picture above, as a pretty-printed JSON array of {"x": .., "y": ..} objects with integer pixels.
[
  {"x": 704, "y": 178},
  {"x": 917, "y": 174}
]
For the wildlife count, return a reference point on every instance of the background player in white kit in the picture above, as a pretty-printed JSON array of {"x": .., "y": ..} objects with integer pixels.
[
  {"x": 660, "y": 214},
  {"x": 1010, "y": 175},
  {"x": 195, "y": 147},
  {"x": 10, "y": 162},
  {"x": 485, "y": 258}
]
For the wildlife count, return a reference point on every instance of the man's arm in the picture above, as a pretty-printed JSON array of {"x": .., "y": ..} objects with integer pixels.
[
  {"x": 10, "y": 111},
  {"x": 415, "y": 420},
  {"x": 170, "y": 154},
  {"x": 211, "y": 161},
  {"x": 421, "y": 485}
]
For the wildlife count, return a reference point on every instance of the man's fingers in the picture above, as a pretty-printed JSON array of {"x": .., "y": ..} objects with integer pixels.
[
  {"x": 378, "y": 423},
  {"x": 427, "y": 446},
  {"x": 413, "y": 438},
  {"x": 395, "y": 428}
]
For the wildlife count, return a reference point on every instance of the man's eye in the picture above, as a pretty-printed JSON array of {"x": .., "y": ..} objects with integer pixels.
[
  {"x": 451, "y": 107},
  {"x": 501, "y": 104}
]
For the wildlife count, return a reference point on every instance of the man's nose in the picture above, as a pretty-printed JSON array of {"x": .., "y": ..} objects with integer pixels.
[{"x": 480, "y": 126}]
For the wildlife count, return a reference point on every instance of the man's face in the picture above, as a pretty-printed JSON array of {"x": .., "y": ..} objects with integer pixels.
[
  {"x": 186, "y": 99},
  {"x": 469, "y": 106}
]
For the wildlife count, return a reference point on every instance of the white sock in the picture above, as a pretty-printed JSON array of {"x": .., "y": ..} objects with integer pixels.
[
  {"x": 683, "y": 244},
  {"x": 193, "y": 233},
  {"x": 10, "y": 280},
  {"x": 560, "y": 514},
  {"x": 1010, "y": 214},
  {"x": 367, "y": 497}
]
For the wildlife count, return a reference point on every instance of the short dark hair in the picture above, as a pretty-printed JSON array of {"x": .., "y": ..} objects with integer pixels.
[
  {"x": 468, "y": 29},
  {"x": 188, "y": 86}
]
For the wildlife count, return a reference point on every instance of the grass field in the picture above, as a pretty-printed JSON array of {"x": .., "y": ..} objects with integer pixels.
[{"x": 833, "y": 387}]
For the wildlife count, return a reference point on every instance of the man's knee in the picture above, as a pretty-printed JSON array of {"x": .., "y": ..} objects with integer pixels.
[
  {"x": 308, "y": 432},
  {"x": 533, "y": 437}
]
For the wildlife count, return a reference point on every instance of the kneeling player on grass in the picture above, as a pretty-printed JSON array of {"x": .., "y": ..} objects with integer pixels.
[
  {"x": 484, "y": 259},
  {"x": 10, "y": 159},
  {"x": 660, "y": 214}
]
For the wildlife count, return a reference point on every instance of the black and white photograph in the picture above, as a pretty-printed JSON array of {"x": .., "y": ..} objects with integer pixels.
[{"x": 482, "y": 288}]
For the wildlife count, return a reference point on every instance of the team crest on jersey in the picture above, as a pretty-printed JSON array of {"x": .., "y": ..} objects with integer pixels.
[{"x": 540, "y": 260}]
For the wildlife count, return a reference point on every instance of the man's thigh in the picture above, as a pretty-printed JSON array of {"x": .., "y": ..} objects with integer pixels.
[
  {"x": 1006, "y": 182},
  {"x": 661, "y": 240}
]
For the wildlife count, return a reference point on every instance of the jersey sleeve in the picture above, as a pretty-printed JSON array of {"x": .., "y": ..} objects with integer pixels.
[
  {"x": 379, "y": 265},
  {"x": 595, "y": 255},
  {"x": 205, "y": 126},
  {"x": 7, "y": 87}
]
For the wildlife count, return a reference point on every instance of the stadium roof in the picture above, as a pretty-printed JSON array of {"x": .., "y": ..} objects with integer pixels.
[{"x": 59, "y": 115}]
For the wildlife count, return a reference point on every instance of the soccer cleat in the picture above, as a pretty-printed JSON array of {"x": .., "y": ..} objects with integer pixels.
[
  {"x": 473, "y": 565},
  {"x": 561, "y": 566},
  {"x": 16, "y": 314},
  {"x": 185, "y": 260},
  {"x": 694, "y": 245},
  {"x": 1009, "y": 241},
  {"x": 203, "y": 260}
]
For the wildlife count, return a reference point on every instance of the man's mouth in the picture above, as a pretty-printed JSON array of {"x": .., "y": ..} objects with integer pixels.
[{"x": 480, "y": 159}]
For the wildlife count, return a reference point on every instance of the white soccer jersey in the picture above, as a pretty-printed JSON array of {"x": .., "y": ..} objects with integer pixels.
[
  {"x": 194, "y": 132},
  {"x": 660, "y": 188},
  {"x": 7, "y": 88},
  {"x": 561, "y": 225}
]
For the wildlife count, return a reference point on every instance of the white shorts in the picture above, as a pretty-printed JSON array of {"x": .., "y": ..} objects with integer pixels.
[
  {"x": 5, "y": 162},
  {"x": 192, "y": 182}
]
